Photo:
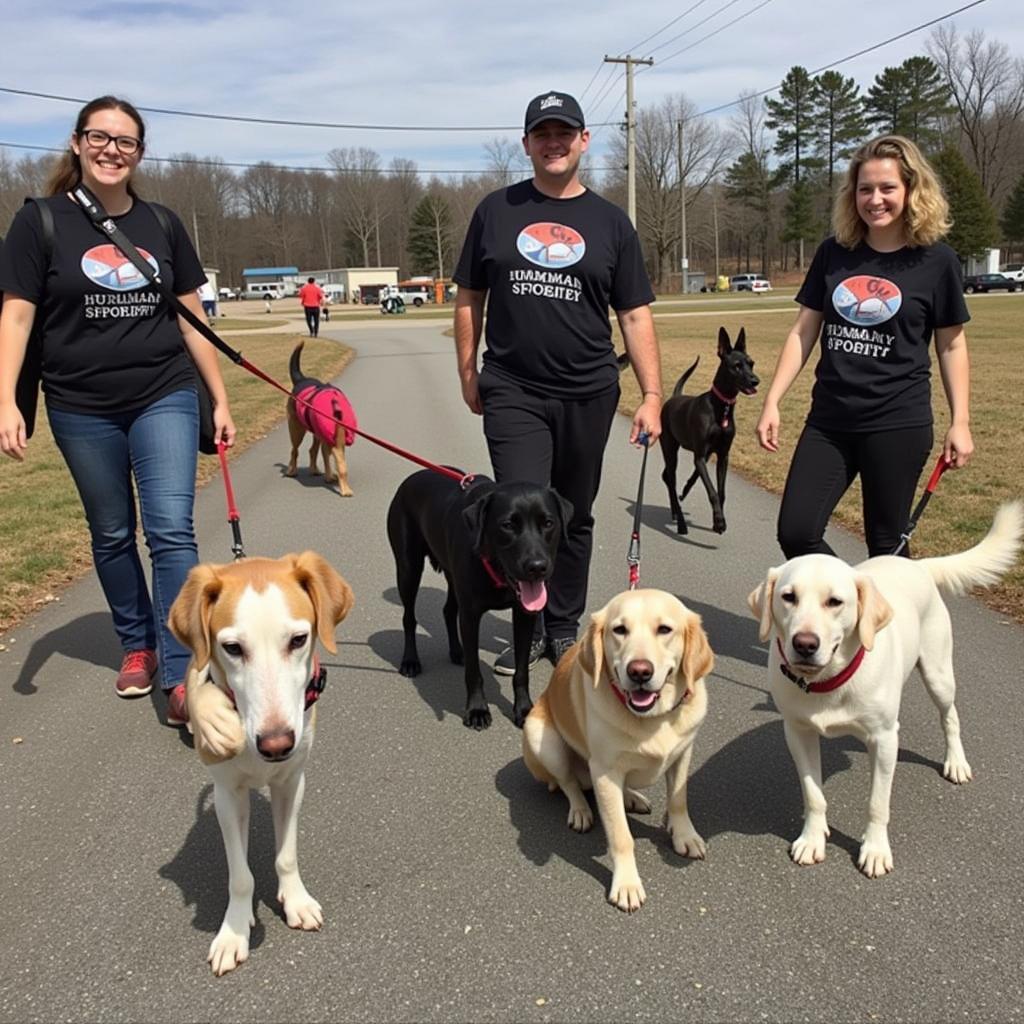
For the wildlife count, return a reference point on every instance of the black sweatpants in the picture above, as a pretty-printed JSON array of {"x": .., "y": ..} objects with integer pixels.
[
  {"x": 559, "y": 443},
  {"x": 824, "y": 465},
  {"x": 312, "y": 319}
]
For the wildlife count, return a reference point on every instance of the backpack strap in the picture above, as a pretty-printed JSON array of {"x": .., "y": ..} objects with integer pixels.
[
  {"x": 46, "y": 219},
  {"x": 163, "y": 218}
]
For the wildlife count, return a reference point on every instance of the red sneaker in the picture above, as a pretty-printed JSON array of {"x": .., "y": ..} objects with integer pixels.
[
  {"x": 136, "y": 676},
  {"x": 177, "y": 709}
]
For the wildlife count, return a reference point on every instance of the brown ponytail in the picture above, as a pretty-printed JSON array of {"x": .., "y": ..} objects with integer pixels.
[{"x": 68, "y": 171}]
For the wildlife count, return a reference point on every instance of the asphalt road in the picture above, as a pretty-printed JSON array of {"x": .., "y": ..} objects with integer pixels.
[{"x": 452, "y": 888}]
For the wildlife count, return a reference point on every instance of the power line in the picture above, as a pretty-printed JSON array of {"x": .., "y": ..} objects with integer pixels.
[
  {"x": 199, "y": 162},
  {"x": 693, "y": 28},
  {"x": 689, "y": 10},
  {"x": 842, "y": 60}
]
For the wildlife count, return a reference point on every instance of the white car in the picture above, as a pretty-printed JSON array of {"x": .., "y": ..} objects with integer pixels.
[
  {"x": 1015, "y": 272},
  {"x": 749, "y": 283}
]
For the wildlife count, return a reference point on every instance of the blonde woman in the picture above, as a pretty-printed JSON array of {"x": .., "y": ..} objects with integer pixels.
[
  {"x": 120, "y": 390},
  {"x": 875, "y": 294}
]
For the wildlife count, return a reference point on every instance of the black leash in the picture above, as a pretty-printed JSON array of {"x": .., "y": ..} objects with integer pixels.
[
  {"x": 940, "y": 467},
  {"x": 633, "y": 555}
]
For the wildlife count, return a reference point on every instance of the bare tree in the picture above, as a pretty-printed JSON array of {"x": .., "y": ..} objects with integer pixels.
[
  {"x": 705, "y": 152},
  {"x": 506, "y": 161},
  {"x": 987, "y": 86},
  {"x": 360, "y": 182}
]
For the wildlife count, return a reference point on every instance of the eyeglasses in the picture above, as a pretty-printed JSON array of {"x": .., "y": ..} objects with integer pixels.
[{"x": 127, "y": 144}]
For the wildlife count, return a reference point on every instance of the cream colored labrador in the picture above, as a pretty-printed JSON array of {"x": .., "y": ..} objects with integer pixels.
[
  {"x": 621, "y": 711},
  {"x": 252, "y": 628},
  {"x": 842, "y": 642}
]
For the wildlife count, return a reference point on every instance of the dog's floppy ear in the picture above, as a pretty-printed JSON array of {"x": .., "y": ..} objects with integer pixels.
[
  {"x": 724, "y": 345},
  {"x": 873, "y": 611},
  {"x": 475, "y": 518},
  {"x": 591, "y": 656},
  {"x": 190, "y": 615},
  {"x": 698, "y": 658},
  {"x": 331, "y": 596},
  {"x": 760, "y": 601},
  {"x": 741, "y": 341},
  {"x": 565, "y": 511}
]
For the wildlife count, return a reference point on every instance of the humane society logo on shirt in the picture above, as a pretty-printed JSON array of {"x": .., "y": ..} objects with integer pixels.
[
  {"x": 864, "y": 302},
  {"x": 553, "y": 247},
  {"x": 106, "y": 266}
]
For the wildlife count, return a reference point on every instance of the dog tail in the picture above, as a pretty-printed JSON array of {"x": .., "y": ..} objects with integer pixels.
[
  {"x": 986, "y": 562},
  {"x": 294, "y": 369},
  {"x": 678, "y": 389}
]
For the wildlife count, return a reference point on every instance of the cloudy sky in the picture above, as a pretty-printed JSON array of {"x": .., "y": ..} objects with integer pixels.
[{"x": 449, "y": 65}]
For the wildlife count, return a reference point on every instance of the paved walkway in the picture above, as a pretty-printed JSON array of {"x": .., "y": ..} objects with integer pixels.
[{"x": 452, "y": 888}]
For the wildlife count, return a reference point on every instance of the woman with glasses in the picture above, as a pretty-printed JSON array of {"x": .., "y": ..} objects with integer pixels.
[{"x": 120, "y": 388}]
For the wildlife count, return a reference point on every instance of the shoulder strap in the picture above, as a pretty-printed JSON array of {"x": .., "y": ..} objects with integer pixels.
[
  {"x": 163, "y": 218},
  {"x": 46, "y": 218}
]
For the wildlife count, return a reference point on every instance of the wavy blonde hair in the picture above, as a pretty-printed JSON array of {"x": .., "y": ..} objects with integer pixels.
[{"x": 926, "y": 213}]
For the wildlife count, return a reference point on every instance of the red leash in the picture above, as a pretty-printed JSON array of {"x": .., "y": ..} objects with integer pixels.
[{"x": 933, "y": 481}]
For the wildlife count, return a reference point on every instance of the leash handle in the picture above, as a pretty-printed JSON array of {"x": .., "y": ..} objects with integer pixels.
[
  {"x": 237, "y": 548},
  {"x": 940, "y": 467}
]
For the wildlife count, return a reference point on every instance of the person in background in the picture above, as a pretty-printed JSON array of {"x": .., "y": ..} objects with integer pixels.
[
  {"x": 875, "y": 295},
  {"x": 550, "y": 256},
  {"x": 208, "y": 298},
  {"x": 118, "y": 381},
  {"x": 311, "y": 295}
]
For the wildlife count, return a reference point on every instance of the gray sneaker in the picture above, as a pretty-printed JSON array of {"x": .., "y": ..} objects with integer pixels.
[
  {"x": 505, "y": 663},
  {"x": 557, "y": 646}
]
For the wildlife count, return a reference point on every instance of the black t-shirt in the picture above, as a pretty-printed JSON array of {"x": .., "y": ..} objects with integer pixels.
[
  {"x": 110, "y": 341},
  {"x": 881, "y": 309},
  {"x": 551, "y": 268}
]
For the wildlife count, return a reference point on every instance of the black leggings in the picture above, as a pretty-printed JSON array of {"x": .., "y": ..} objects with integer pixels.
[
  {"x": 558, "y": 443},
  {"x": 312, "y": 319},
  {"x": 824, "y": 465}
]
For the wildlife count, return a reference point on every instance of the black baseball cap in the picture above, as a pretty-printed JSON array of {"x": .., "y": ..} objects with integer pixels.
[{"x": 554, "y": 106}]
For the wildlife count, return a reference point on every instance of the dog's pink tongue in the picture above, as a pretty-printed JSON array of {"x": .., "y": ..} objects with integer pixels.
[
  {"x": 642, "y": 698},
  {"x": 533, "y": 596}
]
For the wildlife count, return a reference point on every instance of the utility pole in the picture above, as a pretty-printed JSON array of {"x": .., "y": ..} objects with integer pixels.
[
  {"x": 630, "y": 130},
  {"x": 682, "y": 213},
  {"x": 714, "y": 214},
  {"x": 195, "y": 233}
]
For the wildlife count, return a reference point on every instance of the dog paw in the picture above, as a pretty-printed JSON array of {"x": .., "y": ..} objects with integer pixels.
[
  {"x": 410, "y": 667},
  {"x": 627, "y": 891},
  {"x": 956, "y": 769},
  {"x": 291, "y": 471},
  {"x": 718, "y": 525},
  {"x": 875, "y": 857},
  {"x": 809, "y": 847},
  {"x": 456, "y": 656},
  {"x": 636, "y": 803},
  {"x": 477, "y": 718},
  {"x": 687, "y": 841},
  {"x": 301, "y": 910},
  {"x": 346, "y": 491},
  {"x": 581, "y": 818},
  {"x": 520, "y": 711},
  {"x": 228, "y": 950},
  {"x": 681, "y": 527}
]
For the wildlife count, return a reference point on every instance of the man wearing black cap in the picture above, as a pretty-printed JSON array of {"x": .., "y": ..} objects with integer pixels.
[{"x": 550, "y": 257}]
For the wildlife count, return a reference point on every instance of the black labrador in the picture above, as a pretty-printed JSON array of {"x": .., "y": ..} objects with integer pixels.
[
  {"x": 496, "y": 545},
  {"x": 705, "y": 424}
]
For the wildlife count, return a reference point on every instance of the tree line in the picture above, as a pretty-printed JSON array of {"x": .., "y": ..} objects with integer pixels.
[{"x": 758, "y": 189}]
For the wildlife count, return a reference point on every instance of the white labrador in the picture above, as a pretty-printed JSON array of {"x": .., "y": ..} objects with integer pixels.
[{"x": 843, "y": 640}]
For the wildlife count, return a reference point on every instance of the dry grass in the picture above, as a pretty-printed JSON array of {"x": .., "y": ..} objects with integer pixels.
[
  {"x": 964, "y": 502},
  {"x": 44, "y": 541}
]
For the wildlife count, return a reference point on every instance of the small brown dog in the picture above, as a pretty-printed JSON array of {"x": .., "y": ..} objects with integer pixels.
[{"x": 330, "y": 409}]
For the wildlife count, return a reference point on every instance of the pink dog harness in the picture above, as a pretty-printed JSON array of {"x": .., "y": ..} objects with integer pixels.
[{"x": 329, "y": 405}]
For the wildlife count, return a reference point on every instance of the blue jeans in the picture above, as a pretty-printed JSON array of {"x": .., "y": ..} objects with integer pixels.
[{"x": 157, "y": 445}]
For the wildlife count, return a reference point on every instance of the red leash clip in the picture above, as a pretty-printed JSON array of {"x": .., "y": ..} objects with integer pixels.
[{"x": 233, "y": 518}]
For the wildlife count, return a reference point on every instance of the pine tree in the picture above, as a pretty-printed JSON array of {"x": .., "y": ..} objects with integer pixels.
[
  {"x": 790, "y": 117},
  {"x": 837, "y": 117},
  {"x": 909, "y": 100},
  {"x": 430, "y": 236},
  {"x": 799, "y": 223},
  {"x": 974, "y": 221},
  {"x": 1012, "y": 221}
]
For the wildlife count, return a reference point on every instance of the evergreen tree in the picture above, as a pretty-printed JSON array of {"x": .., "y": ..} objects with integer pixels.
[
  {"x": 837, "y": 117},
  {"x": 1012, "y": 221},
  {"x": 430, "y": 236},
  {"x": 790, "y": 116},
  {"x": 909, "y": 100},
  {"x": 974, "y": 221},
  {"x": 799, "y": 223}
]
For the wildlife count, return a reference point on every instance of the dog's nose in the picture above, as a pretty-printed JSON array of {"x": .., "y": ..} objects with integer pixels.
[
  {"x": 806, "y": 644},
  {"x": 640, "y": 670},
  {"x": 536, "y": 568},
  {"x": 276, "y": 745},
  {"x": 754, "y": 379}
]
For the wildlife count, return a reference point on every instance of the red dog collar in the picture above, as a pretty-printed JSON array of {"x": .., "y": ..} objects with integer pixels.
[
  {"x": 492, "y": 572},
  {"x": 822, "y": 685},
  {"x": 727, "y": 402}
]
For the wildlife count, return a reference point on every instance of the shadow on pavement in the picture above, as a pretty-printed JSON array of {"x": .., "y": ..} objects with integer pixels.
[
  {"x": 199, "y": 868},
  {"x": 88, "y": 638}
]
